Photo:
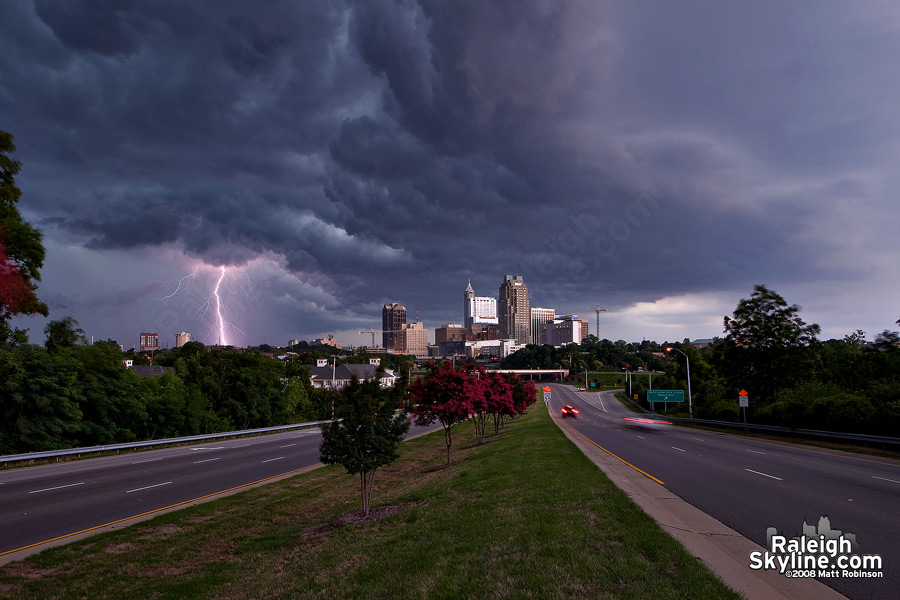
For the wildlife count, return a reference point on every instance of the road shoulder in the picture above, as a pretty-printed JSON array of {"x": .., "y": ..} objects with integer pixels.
[{"x": 725, "y": 551}]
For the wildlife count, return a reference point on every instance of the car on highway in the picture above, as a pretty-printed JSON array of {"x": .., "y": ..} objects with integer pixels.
[
  {"x": 569, "y": 411},
  {"x": 654, "y": 424}
]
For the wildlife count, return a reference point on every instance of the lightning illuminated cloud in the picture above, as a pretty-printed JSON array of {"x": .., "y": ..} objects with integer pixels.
[{"x": 216, "y": 302}]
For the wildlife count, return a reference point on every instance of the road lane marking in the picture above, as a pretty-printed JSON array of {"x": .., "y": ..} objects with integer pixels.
[
  {"x": 140, "y": 462},
  {"x": 288, "y": 445},
  {"x": 271, "y": 459},
  {"x": 164, "y": 508},
  {"x": 59, "y": 487},
  {"x": 210, "y": 448},
  {"x": 764, "y": 474},
  {"x": 206, "y": 460},
  {"x": 679, "y": 449},
  {"x": 754, "y": 451},
  {"x": 642, "y": 437},
  {"x": 148, "y": 487},
  {"x": 644, "y": 473},
  {"x": 885, "y": 479},
  {"x": 698, "y": 439}
]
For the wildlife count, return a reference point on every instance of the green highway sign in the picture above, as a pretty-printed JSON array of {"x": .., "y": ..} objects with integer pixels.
[{"x": 665, "y": 395}]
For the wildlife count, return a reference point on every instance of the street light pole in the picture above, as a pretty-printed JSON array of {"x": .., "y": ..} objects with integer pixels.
[{"x": 688, "y": 363}]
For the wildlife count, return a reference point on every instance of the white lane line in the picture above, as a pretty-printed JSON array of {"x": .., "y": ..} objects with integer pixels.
[
  {"x": 209, "y": 448},
  {"x": 679, "y": 449},
  {"x": 271, "y": 459},
  {"x": 885, "y": 479},
  {"x": 140, "y": 462},
  {"x": 148, "y": 487},
  {"x": 754, "y": 451},
  {"x": 698, "y": 439},
  {"x": 642, "y": 437},
  {"x": 764, "y": 474},
  {"x": 288, "y": 445},
  {"x": 197, "y": 462},
  {"x": 56, "y": 488}
]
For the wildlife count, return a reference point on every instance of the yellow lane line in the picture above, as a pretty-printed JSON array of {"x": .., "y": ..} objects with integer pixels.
[
  {"x": 644, "y": 473},
  {"x": 156, "y": 510}
]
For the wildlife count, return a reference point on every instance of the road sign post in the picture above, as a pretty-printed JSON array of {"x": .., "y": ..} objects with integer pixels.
[
  {"x": 547, "y": 401},
  {"x": 744, "y": 402}
]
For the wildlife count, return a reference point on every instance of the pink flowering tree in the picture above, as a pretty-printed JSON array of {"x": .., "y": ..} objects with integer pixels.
[{"x": 445, "y": 396}]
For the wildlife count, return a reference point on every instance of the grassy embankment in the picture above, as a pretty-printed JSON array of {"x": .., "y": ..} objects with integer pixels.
[{"x": 526, "y": 515}]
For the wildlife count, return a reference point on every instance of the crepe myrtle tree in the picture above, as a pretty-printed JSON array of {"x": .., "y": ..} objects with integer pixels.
[
  {"x": 445, "y": 396},
  {"x": 364, "y": 433},
  {"x": 21, "y": 250}
]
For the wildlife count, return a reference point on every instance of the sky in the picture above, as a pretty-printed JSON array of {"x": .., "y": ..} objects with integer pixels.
[{"x": 318, "y": 160}]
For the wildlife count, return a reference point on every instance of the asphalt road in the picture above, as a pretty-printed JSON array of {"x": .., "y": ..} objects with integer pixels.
[
  {"x": 43, "y": 503},
  {"x": 751, "y": 485}
]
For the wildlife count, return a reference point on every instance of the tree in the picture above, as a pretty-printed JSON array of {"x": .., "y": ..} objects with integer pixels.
[
  {"x": 767, "y": 345},
  {"x": 21, "y": 251},
  {"x": 64, "y": 333},
  {"x": 365, "y": 433},
  {"x": 445, "y": 396}
]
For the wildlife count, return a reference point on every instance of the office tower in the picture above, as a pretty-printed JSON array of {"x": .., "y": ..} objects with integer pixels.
[
  {"x": 393, "y": 318},
  {"x": 514, "y": 311},
  {"x": 478, "y": 309},
  {"x": 539, "y": 316},
  {"x": 412, "y": 339},
  {"x": 149, "y": 341}
]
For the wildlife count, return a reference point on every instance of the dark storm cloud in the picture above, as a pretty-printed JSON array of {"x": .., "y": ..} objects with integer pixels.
[{"x": 390, "y": 149}]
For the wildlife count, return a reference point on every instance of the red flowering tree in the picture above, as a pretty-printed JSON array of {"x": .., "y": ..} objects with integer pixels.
[
  {"x": 498, "y": 394},
  {"x": 445, "y": 396},
  {"x": 21, "y": 251},
  {"x": 524, "y": 393}
]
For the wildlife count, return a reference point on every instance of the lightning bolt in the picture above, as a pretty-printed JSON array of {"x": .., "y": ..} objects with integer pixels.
[
  {"x": 219, "y": 317},
  {"x": 215, "y": 304}
]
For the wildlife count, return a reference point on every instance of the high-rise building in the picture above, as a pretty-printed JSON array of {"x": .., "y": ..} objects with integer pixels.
[
  {"x": 514, "y": 311},
  {"x": 562, "y": 330},
  {"x": 539, "y": 316},
  {"x": 412, "y": 339},
  {"x": 478, "y": 309},
  {"x": 182, "y": 338},
  {"x": 393, "y": 318},
  {"x": 149, "y": 341},
  {"x": 451, "y": 332}
]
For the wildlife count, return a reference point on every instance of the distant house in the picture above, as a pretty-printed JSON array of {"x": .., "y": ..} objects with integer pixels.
[
  {"x": 325, "y": 376},
  {"x": 146, "y": 371},
  {"x": 703, "y": 343}
]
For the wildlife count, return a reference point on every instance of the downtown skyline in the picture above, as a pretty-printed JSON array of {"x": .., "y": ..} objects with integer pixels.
[{"x": 657, "y": 160}]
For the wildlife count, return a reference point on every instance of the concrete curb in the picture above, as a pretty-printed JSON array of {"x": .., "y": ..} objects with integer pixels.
[{"x": 723, "y": 550}]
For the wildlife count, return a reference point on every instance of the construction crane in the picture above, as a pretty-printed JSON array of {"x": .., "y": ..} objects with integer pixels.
[
  {"x": 374, "y": 331},
  {"x": 599, "y": 310}
]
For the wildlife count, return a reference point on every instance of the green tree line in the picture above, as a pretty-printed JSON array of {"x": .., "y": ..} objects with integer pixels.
[{"x": 793, "y": 379}]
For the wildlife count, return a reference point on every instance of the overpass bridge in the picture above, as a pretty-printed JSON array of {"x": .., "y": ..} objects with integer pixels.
[{"x": 556, "y": 374}]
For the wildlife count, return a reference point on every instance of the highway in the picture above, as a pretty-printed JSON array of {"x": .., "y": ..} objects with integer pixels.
[
  {"x": 750, "y": 485},
  {"x": 42, "y": 503}
]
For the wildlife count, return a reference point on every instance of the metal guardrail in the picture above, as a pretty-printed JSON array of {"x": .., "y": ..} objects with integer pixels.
[
  {"x": 11, "y": 458},
  {"x": 835, "y": 435},
  {"x": 860, "y": 437}
]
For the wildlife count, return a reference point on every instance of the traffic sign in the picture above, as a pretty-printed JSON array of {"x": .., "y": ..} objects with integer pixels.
[
  {"x": 743, "y": 399},
  {"x": 665, "y": 395},
  {"x": 547, "y": 394}
]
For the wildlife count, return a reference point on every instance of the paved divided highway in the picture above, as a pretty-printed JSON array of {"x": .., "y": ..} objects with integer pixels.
[
  {"x": 45, "y": 502},
  {"x": 751, "y": 485}
]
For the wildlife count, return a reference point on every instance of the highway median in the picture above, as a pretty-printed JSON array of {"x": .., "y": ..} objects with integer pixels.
[{"x": 525, "y": 514}]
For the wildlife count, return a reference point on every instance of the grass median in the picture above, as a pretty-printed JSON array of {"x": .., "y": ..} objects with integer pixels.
[{"x": 525, "y": 515}]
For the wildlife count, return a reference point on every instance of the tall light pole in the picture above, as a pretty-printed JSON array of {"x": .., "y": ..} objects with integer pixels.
[{"x": 688, "y": 363}]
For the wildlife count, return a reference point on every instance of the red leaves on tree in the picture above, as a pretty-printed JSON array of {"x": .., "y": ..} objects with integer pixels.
[{"x": 16, "y": 296}]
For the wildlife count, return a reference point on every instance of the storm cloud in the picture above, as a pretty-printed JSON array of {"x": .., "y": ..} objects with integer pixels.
[{"x": 389, "y": 150}]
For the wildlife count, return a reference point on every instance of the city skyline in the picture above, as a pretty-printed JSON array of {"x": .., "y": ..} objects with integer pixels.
[{"x": 314, "y": 162}]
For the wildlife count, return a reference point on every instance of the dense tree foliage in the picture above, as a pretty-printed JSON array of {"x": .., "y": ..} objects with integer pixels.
[
  {"x": 365, "y": 434},
  {"x": 70, "y": 394},
  {"x": 21, "y": 250}
]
